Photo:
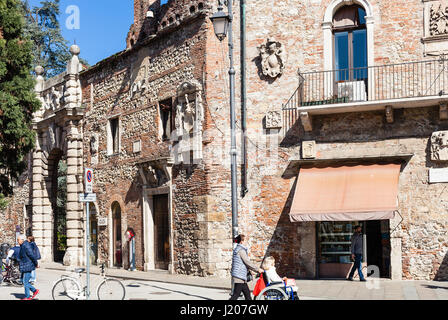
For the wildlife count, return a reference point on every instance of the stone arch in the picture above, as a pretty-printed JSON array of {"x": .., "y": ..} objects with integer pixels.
[{"x": 58, "y": 125}]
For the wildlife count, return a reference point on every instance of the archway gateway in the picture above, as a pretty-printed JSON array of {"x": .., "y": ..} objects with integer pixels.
[{"x": 59, "y": 136}]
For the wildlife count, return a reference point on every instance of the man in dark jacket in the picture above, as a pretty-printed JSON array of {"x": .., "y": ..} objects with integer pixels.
[
  {"x": 27, "y": 263},
  {"x": 36, "y": 253},
  {"x": 357, "y": 251}
]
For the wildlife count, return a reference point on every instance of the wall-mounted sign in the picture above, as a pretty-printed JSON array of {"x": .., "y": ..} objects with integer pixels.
[
  {"x": 87, "y": 197},
  {"x": 102, "y": 222},
  {"x": 438, "y": 175}
]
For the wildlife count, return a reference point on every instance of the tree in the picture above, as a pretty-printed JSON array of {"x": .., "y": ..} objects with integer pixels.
[
  {"x": 18, "y": 100},
  {"x": 50, "y": 49}
]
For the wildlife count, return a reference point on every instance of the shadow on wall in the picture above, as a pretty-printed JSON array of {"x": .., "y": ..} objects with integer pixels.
[
  {"x": 285, "y": 244},
  {"x": 442, "y": 273}
]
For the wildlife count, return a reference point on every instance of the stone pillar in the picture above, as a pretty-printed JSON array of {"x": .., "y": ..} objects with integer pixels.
[
  {"x": 39, "y": 203},
  {"x": 74, "y": 254}
]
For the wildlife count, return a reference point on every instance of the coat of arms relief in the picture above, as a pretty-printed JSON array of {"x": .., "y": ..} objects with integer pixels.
[
  {"x": 273, "y": 58},
  {"x": 435, "y": 23}
]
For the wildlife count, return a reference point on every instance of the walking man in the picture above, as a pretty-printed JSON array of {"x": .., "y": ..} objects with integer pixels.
[
  {"x": 240, "y": 269},
  {"x": 357, "y": 252},
  {"x": 27, "y": 263}
]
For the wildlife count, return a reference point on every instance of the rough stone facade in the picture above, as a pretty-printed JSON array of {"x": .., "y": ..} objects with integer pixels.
[{"x": 177, "y": 46}]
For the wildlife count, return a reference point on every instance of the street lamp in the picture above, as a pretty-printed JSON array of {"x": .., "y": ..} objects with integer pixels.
[{"x": 222, "y": 24}]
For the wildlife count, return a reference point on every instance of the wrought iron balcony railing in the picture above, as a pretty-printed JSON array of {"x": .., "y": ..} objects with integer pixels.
[{"x": 363, "y": 85}]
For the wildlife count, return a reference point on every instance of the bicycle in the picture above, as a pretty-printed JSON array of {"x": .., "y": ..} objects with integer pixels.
[
  {"x": 69, "y": 288},
  {"x": 10, "y": 273}
]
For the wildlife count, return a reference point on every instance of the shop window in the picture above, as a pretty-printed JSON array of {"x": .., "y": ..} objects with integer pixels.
[{"x": 350, "y": 43}]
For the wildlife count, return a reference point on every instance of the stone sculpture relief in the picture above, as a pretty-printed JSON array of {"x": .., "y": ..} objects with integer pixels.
[
  {"x": 274, "y": 119},
  {"x": 438, "y": 19},
  {"x": 439, "y": 146},
  {"x": 189, "y": 120},
  {"x": 273, "y": 58},
  {"x": 309, "y": 149}
]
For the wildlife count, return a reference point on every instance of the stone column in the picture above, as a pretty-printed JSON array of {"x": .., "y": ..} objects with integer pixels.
[
  {"x": 74, "y": 254},
  {"x": 39, "y": 203}
]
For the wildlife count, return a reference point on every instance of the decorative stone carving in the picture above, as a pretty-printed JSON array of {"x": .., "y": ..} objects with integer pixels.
[
  {"x": 443, "y": 113},
  {"x": 439, "y": 146},
  {"x": 438, "y": 19},
  {"x": 435, "y": 37},
  {"x": 94, "y": 144},
  {"x": 389, "y": 114},
  {"x": 139, "y": 84},
  {"x": 273, "y": 58},
  {"x": 189, "y": 121},
  {"x": 309, "y": 149},
  {"x": 274, "y": 119}
]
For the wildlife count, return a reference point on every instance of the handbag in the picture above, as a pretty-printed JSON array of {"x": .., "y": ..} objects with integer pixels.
[
  {"x": 259, "y": 286},
  {"x": 249, "y": 276}
]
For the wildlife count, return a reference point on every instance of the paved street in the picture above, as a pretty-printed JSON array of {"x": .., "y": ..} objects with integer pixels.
[
  {"x": 159, "y": 285},
  {"x": 135, "y": 289}
]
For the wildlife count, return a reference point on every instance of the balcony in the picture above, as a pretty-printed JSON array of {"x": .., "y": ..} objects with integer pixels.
[{"x": 386, "y": 87}]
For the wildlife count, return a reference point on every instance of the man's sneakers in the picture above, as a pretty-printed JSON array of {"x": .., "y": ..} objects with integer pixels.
[
  {"x": 363, "y": 280},
  {"x": 35, "y": 294}
]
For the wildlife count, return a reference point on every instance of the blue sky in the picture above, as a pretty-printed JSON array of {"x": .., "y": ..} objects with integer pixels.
[{"x": 104, "y": 25}]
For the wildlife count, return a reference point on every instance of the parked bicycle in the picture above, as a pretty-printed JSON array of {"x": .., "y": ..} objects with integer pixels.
[
  {"x": 10, "y": 273},
  {"x": 70, "y": 288}
]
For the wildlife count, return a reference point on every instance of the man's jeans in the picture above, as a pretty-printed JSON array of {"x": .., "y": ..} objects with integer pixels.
[
  {"x": 357, "y": 266},
  {"x": 26, "y": 276}
]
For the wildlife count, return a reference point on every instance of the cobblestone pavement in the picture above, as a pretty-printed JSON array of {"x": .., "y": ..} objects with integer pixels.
[{"x": 160, "y": 285}]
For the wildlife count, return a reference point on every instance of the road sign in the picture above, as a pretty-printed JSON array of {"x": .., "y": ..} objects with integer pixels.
[
  {"x": 102, "y": 222},
  {"x": 88, "y": 180},
  {"x": 87, "y": 197}
]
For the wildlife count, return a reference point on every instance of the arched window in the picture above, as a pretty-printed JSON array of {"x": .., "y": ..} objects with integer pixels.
[{"x": 350, "y": 43}]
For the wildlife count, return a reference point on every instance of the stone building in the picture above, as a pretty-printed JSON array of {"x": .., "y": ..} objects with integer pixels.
[{"x": 346, "y": 124}]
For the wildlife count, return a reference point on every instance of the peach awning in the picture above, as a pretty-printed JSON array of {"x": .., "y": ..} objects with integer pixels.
[{"x": 346, "y": 193}]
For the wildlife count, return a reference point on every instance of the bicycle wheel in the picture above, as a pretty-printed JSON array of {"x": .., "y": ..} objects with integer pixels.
[
  {"x": 111, "y": 289},
  {"x": 272, "y": 294},
  {"x": 66, "y": 289},
  {"x": 15, "y": 277}
]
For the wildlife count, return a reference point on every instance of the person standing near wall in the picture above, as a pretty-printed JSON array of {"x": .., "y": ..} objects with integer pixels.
[
  {"x": 240, "y": 269},
  {"x": 357, "y": 252},
  {"x": 36, "y": 255},
  {"x": 27, "y": 263}
]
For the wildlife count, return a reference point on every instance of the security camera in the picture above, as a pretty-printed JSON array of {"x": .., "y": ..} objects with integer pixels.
[{"x": 150, "y": 14}]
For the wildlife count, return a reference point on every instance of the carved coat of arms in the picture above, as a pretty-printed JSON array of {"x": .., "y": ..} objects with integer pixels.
[{"x": 273, "y": 58}]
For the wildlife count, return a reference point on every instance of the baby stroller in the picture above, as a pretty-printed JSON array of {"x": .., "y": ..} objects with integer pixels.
[{"x": 277, "y": 291}]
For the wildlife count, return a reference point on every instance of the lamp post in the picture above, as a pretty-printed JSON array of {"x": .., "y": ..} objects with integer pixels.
[{"x": 222, "y": 25}]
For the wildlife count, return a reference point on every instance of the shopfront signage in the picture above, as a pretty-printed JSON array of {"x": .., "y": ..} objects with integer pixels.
[{"x": 438, "y": 175}]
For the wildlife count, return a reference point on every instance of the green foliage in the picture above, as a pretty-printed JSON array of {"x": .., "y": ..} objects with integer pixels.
[
  {"x": 50, "y": 49},
  {"x": 18, "y": 101},
  {"x": 3, "y": 202}
]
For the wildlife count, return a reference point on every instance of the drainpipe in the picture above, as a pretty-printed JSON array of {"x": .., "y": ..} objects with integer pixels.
[{"x": 244, "y": 189}]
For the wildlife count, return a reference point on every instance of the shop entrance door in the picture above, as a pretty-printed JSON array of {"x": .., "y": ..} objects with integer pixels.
[
  {"x": 378, "y": 247},
  {"x": 161, "y": 232}
]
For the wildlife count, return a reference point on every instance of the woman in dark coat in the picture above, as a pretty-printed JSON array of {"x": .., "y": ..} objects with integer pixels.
[{"x": 27, "y": 263}]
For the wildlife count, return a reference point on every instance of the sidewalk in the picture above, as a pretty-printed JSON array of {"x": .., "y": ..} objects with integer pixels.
[{"x": 377, "y": 289}]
